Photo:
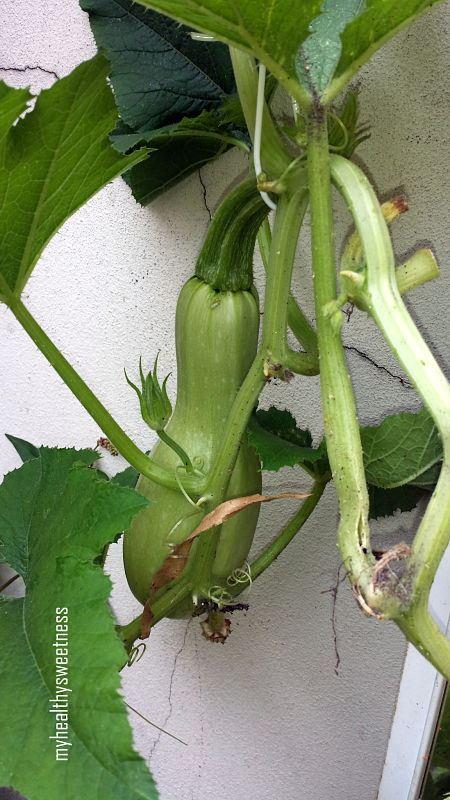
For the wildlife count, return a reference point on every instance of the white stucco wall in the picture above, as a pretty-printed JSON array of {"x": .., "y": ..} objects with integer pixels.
[{"x": 264, "y": 716}]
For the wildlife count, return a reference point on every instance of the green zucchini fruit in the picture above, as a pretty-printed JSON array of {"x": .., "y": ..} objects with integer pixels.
[{"x": 216, "y": 340}]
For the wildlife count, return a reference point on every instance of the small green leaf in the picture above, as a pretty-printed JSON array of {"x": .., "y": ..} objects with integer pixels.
[
  {"x": 128, "y": 477},
  {"x": 56, "y": 517},
  {"x": 319, "y": 54},
  {"x": 280, "y": 443},
  {"x": 381, "y": 20},
  {"x": 400, "y": 449},
  {"x": 51, "y": 162},
  {"x": 26, "y": 450},
  {"x": 397, "y": 453},
  {"x": 225, "y": 125}
]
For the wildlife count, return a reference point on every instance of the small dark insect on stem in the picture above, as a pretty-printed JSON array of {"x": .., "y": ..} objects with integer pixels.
[{"x": 9, "y": 582}]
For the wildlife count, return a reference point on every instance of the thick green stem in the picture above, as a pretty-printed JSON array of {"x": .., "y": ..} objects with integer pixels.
[
  {"x": 421, "y": 630},
  {"x": 288, "y": 221},
  {"x": 275, "y": 548},
  {"x": 339, "y": 408},
  {"x": 274, "y": 157},
  {"x": 298, "y": 323},
  {"x": 94, "y": 407},
  {"x": 382, "y": 298},
  {"x": 222, "y": 469}
]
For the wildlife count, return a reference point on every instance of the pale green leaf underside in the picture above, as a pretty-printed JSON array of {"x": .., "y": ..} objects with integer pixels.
[
  {"x": 51, "y": 162},
  {"x": 274, "y": 30},
  {"x": 55, "y": 519},
  {"x": 401, "y": 448},
  {"x": 319, "y": 54}
]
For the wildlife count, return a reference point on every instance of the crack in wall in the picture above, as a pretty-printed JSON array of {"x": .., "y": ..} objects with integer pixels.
[
  {"x": 169, "y": 699},
  {"x": 201, "y": 760},
  {"x": 205, "y": 198},
  {"x": 405, "y": 383},
  {"x": 30, "y": 68}
]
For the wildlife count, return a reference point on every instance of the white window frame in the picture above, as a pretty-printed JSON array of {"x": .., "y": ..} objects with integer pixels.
[{"x": 418, "y": 706}]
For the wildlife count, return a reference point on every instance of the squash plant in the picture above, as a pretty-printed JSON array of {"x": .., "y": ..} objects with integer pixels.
[{"x": 190, "y": 521}]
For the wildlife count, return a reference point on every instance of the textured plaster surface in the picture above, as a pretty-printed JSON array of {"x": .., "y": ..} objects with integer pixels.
[{"x": 264, "y": 716}]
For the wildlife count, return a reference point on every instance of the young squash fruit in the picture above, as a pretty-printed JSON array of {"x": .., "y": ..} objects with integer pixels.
[{"x": 216, "y": 333}]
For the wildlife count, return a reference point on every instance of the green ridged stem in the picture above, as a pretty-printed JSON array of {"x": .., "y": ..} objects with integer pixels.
[
  {"x": 298, "y": 323},
  {"x": 338, "y": 402},
  {"x": 382, "y": 299},
  {"x": 226, "y": 258}
]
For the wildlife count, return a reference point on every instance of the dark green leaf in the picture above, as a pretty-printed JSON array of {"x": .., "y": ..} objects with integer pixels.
[
  {"x": 26, "y": 450},
  {"x": 169, "y": 164},
  {"x": 180, "y": 149},
  {"x": 274, "y": 30},
  {"x": 319, "y": 54},
  {"x": 385, "y": 502},
  {"x": 225, "y": 125},
  {"x": 172, "y": 92},
  {"x": 51, "y": 162},
  {"x": 429, "y": 478},
  {"x": 56, "y": 517},
  {"x": 400, "y": 449},
  {"x": 159, "y": 73}
]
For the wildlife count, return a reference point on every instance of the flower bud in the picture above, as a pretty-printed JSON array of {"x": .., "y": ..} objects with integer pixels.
[{"x": 155, "y": 405}]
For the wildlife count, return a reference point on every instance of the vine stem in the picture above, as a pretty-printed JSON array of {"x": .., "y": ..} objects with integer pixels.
[
  {"x": 275, "y": 548},
  {"x": 161, "y": 607},
  {"x": 125, "y": 446},
  {"x": 288, "y": 220},
  {"x": 339, "y": 408},
  {"x": 383, "y": 301},
  {"x": 298, "y": 323},
  {"x": 185, "y": 460}
]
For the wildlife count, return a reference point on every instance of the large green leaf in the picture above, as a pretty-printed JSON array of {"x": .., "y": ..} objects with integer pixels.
[
  {"x": 400, "y": 449},
  {"x": 274, "y": 30},
  {"x": 51, "y": 162},
  {"x": 56, "y": 517},
  {"x": 172, "y": 92}
]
